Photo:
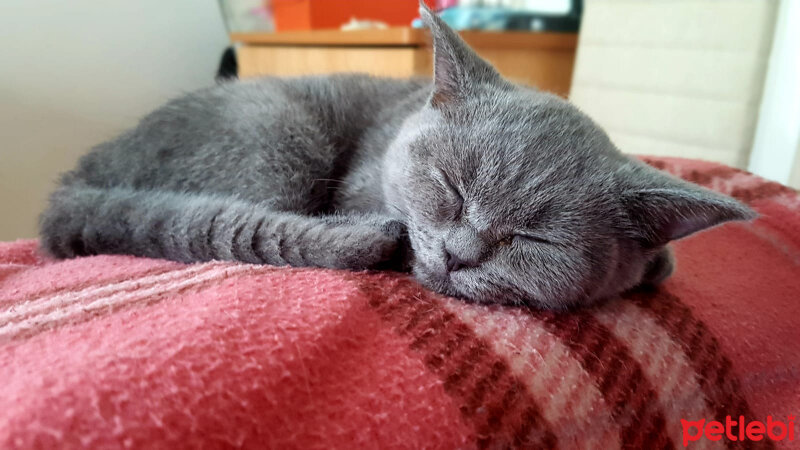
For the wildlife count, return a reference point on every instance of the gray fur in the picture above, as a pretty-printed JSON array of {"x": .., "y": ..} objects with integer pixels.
[{"x": 508, "y": 194}]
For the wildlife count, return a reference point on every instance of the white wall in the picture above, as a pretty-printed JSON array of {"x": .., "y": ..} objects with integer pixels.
[
  {"x": 776, "y": 148},
  {"x": 74, "y": 73},
  {"x": 675, "y": 77},
  {"x": 794, "y": 177}
]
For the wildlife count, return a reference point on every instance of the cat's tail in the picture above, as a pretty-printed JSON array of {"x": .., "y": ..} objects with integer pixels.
[{"x": 84, "y": 220}]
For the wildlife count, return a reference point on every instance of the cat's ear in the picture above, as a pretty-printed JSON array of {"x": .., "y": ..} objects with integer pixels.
[
  {"x": 456, "y": 68},
  {"x": 662, "y": 209}
]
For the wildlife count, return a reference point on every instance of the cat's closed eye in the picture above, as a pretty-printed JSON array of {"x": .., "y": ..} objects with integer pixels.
[
  {"x": 534, "y": 238},
  {"x": 523, "y": 238},
  {"x": 456, "y": 206}
]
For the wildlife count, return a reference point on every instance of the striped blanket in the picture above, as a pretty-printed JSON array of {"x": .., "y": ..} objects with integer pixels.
[{"x": 116, "y": 351}]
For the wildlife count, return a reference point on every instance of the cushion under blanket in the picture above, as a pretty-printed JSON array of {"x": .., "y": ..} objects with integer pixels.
[{"x": 117, "y": 351}]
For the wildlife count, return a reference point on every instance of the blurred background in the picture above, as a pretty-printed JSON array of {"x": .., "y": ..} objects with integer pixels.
[{"x": 707, "y": 79}]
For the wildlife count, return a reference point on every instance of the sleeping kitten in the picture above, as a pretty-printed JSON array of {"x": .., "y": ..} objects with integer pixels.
[{"x": 508, "y": 194}]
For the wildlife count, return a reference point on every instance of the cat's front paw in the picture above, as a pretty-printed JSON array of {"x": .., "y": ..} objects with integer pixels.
[{"x": 383, "y": 246}]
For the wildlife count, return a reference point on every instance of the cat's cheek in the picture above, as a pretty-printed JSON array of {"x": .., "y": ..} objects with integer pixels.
[{"x": 425, "y": 261}]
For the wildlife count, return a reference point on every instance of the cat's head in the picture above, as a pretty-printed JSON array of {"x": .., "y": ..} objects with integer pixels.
[{"x": 515, "y": 196}]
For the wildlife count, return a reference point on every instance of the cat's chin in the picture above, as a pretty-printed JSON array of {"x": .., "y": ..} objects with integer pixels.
[
  {"x": 448, "y": 284},
  {"x": 444, "y": 284}
]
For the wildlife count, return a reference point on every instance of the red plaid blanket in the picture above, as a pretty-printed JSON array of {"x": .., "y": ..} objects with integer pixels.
[{"x": 116, "y": 351}]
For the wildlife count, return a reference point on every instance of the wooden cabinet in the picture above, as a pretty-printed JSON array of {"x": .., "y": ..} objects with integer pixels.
[{"x": 543, "y": 60}]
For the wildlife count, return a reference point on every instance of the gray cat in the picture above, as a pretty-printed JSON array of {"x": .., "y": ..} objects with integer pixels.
[{"x": 505, "y": 194}]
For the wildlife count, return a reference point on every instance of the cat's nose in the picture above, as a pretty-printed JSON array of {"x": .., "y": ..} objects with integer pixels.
[
  {"x": 454, "y": 262},
  {"x": 463, "y": 248}
]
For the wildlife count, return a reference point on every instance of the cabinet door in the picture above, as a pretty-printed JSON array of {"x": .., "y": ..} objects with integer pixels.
[{"x": 302, "y": 60}]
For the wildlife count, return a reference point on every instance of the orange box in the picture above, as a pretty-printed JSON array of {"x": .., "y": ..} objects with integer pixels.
[{"x": 292, "y": 15}]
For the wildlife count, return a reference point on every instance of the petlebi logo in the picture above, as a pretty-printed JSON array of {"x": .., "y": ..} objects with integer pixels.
[{"x": 738, "y": 430}]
